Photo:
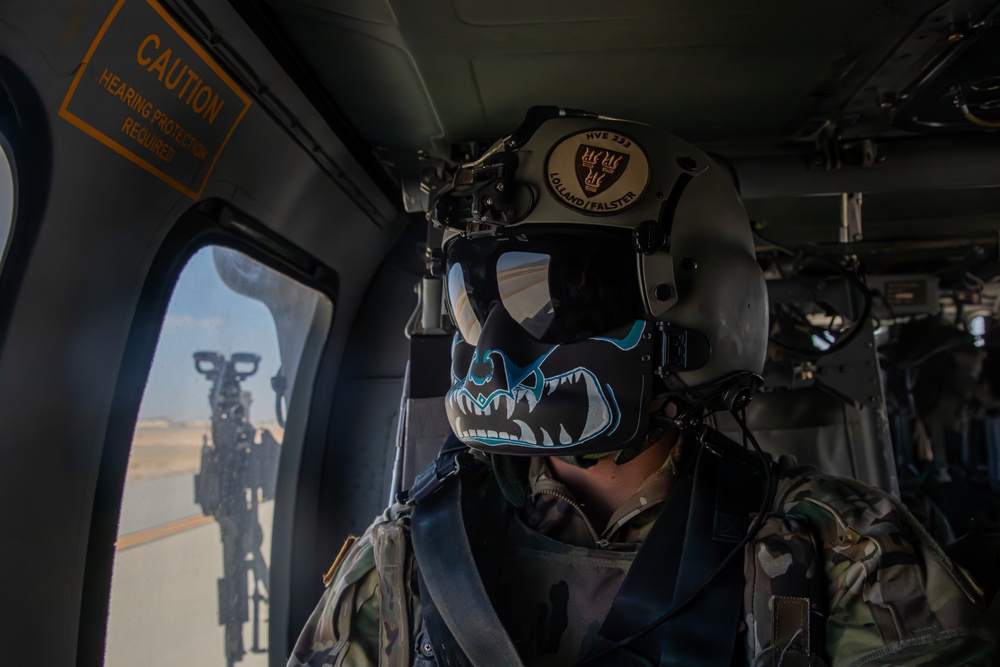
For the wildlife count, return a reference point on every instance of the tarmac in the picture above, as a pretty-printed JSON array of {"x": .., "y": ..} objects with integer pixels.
[{"x": 168, "y": 559}]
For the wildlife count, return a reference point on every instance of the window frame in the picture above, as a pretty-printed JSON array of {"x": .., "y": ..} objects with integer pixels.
[
  {"x": 8, "y": 151},
  {"x": 25, "y": 135},
  {"x": 208, "y": 223}
]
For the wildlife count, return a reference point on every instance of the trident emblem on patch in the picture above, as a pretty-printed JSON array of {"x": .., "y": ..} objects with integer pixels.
[{"x": 597, "y": 169}]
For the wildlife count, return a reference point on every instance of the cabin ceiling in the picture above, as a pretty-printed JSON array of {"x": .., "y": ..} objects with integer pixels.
[{"x": 786, "y": 91}]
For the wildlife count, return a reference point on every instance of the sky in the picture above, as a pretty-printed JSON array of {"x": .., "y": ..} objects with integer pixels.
[{"x": 205, "y": 314}]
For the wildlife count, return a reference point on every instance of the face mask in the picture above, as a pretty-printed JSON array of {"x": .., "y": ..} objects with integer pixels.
[{"x": 517, "y": 395}]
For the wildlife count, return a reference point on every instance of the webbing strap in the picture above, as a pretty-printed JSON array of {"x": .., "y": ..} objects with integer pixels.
[
  {"x": 675, "y": 561},
  {"x": 638, "y": 602},
  {"x": 451, "y": 577}
]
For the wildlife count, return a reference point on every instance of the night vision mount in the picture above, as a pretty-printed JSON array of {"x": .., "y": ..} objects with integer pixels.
[{"x": 484, "y": 194}]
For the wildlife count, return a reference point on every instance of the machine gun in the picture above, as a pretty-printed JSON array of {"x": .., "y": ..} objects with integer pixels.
[{"x": 237, "y": 473}]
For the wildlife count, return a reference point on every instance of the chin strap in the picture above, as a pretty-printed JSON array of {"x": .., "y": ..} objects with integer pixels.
[
  {"x": 584, "y": 462},
  {"x": 653, "y": 435}
]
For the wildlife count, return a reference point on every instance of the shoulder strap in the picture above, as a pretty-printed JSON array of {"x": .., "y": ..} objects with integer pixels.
[
  {"x": 681, "y": 600},
  {"x": 448, "y": 571}
]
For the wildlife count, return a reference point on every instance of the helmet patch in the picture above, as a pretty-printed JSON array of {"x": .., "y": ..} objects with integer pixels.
[{"x": 599, "y": 172}]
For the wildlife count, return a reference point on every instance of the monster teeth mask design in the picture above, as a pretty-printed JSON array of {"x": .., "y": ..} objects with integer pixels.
[
  {"x": 568, "y": 399},
  {"x": 522, "y": 401}
]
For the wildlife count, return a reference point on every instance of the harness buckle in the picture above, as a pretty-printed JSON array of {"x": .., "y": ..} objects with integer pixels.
[{"x": 430, "y": 479}]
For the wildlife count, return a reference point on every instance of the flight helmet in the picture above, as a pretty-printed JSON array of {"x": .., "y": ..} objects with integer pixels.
[{"x": 591, "y": 266}]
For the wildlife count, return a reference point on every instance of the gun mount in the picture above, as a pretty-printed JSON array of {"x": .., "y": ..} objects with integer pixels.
[{"x": 237, "y": 473}]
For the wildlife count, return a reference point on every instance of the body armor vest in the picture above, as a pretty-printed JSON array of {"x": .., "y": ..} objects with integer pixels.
[{"x": 677, "y": 603}]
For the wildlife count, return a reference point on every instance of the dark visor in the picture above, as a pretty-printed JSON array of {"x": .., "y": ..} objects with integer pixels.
[{"x": 560, "y": 286}]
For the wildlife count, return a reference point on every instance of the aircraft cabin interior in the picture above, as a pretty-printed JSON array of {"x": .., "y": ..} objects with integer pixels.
[{"x": 223, "y": 347}]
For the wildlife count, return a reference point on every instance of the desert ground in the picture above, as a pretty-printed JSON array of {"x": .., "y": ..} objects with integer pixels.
[{"x": 161, "y": 447}]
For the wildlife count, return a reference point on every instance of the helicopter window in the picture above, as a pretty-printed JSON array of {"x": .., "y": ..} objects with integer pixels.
[
  {"x": 6, "y": 200},
  {"x": 190, "y": 578}
]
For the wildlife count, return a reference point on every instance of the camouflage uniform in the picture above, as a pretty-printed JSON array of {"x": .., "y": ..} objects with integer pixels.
[{"x": 890, "y": 595}]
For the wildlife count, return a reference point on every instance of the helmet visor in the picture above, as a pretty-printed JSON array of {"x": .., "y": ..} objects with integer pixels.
[{"x": 560, "y": 286}]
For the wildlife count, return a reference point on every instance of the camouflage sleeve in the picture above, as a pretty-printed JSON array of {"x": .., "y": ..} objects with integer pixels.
[
  {"x": 344, "y": 627},
  {"x": 893, "y": 596}
]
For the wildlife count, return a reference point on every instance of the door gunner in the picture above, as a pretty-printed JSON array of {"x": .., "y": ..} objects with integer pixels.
[{"x": 602, "y": 280}]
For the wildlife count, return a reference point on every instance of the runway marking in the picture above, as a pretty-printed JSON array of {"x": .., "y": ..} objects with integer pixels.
[{"x": 161, "y": 531}]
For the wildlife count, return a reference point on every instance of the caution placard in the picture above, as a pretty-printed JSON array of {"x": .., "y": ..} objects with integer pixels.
[{"x": 150, "y": 92}]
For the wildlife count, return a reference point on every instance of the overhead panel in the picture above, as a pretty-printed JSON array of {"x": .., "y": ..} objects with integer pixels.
[
  {"x": 681, "y": 65},
  {"x": 687, "y": 90},
  {"x": 515, "y": 12},
  {"x": 416, "y": 76}
]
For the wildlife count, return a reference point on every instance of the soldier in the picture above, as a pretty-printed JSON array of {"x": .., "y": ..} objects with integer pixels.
[{"x": 602, "y": 279}]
